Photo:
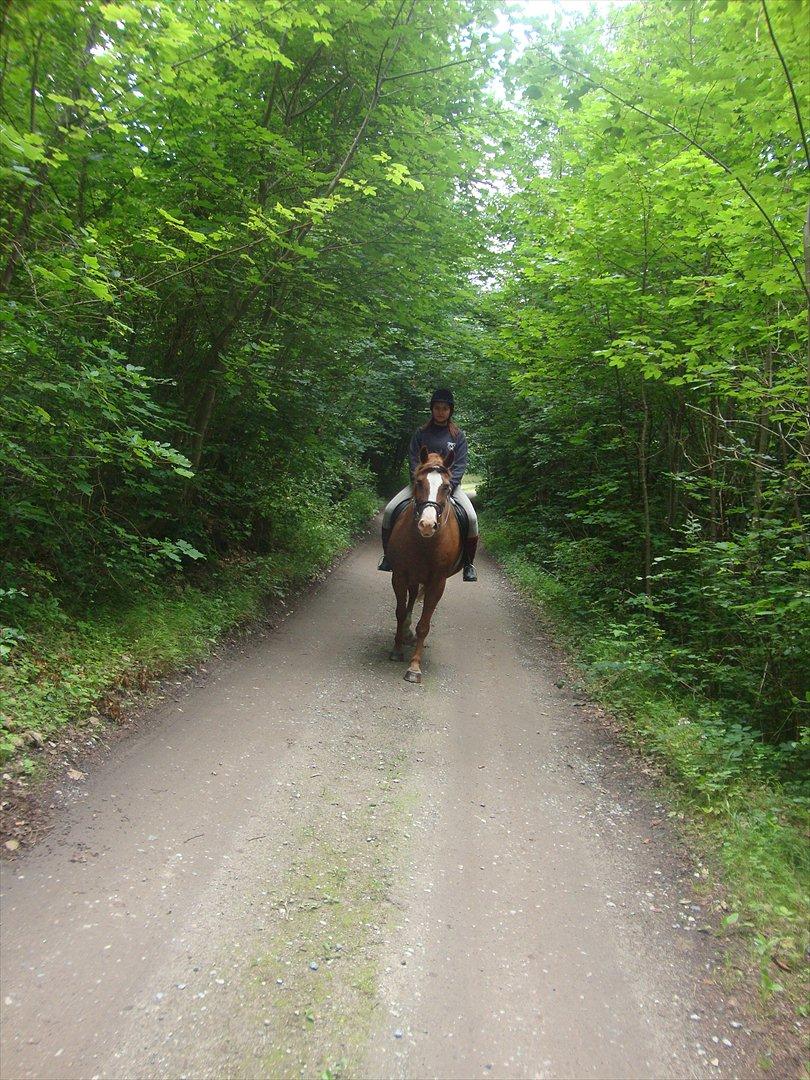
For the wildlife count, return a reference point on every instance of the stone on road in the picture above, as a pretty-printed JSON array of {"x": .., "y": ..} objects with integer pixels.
[{"x": 307, "y": 866}]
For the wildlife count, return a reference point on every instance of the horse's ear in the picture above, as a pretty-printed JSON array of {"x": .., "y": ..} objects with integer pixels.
[
  {"x": 449, "y": 458},
  {"x": 423, "y": 454}
]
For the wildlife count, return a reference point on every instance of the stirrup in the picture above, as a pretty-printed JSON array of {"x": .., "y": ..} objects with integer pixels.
[
  {"x": 384, "y": 564},
  {"x": 469, "y": 573}
]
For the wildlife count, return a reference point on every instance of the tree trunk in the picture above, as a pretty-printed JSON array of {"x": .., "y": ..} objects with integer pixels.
[
  {"x": 20, "y": 234},
  {"x": 762, "y": 436},
  {"x": 674, "y": 459},
  {"x": 643, "y": 460}
]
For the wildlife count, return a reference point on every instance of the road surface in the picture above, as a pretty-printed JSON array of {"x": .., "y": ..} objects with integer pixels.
[{"x": 305, "y": 866}]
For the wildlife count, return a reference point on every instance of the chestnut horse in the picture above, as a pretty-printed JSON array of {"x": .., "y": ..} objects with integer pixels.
[{"x": 424, "y": 550}]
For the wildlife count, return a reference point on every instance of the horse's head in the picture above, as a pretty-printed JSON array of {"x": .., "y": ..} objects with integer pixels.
[{"x": 431, "y": 490}]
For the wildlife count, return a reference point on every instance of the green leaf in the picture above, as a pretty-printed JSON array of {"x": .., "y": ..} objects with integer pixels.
[
  {"x": 123, "y": 13},
  {"x": 98, "y": 288}
]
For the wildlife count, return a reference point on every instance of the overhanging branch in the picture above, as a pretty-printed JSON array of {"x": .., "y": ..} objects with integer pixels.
[{"x": 702, "y": 149}]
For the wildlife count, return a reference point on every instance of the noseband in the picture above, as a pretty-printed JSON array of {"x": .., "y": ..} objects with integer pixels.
[{"x": 420, "y": 505}]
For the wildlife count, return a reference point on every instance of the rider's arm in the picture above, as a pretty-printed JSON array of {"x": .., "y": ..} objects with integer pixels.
[
  {"x": 414, "y": 449},
  {"x": 460, "y": 460}
]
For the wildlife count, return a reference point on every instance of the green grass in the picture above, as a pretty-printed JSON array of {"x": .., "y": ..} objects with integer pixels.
[
  {"x": 722, "y": 780},
  {"x": 470, "y": 484},
  {"x": 64, "y": 667}
]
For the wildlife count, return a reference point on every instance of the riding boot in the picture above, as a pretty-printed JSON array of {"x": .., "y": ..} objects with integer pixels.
[
  {"x": 470, "y": 544},
  {"x": 384, "y": 564}
]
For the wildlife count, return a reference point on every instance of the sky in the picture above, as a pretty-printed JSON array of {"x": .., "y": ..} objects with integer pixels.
[
  {"x": 525, "y": 10},
  {"x": 533, "y": 8}
]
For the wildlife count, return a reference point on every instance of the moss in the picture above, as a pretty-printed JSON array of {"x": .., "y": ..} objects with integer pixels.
[{"x": 334, "y": 901}]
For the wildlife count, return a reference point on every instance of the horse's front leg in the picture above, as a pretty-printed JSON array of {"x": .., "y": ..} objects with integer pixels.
[
  {"x": 400, "y": 584},
  {"x": 408, "y": 636},
  {"x": 433, "y": 594}
]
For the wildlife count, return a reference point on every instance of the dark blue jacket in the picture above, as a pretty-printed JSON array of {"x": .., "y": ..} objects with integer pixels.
[{"x": 438, "y": 440}]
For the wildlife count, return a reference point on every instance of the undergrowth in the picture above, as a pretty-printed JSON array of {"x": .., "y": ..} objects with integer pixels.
[
  {"x": 63, "y": 665},
  {"x": 743, "y": 798}
]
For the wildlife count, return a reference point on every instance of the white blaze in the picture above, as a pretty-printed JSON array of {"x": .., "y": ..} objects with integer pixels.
[{"x": 428, "y": 518}]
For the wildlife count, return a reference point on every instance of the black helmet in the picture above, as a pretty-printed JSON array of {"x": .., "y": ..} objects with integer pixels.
[{"x": 445, "y": 395}]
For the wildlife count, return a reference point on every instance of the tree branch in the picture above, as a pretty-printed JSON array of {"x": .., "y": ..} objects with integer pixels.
[
  {"x": 805, "y": 146},
  {"x": 702, "y": 149},
  {"x": 426, "y": 71}
]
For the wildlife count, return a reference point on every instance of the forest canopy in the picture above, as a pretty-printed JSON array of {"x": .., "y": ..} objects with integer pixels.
[{"x": 240, "y": 241}]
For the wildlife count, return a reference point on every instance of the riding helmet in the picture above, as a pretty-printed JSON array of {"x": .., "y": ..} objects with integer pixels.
[{"x": 445, "y": 395}]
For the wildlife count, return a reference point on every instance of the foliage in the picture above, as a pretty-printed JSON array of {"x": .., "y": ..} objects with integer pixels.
[
  {"x": 647, "y": 411},
  {"x": 228, "y": 229}
]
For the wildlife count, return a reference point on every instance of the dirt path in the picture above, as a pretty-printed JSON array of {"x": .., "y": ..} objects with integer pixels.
[{"x": 309, "y": 867}]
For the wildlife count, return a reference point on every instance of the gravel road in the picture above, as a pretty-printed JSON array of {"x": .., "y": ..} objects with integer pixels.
[{"x": 305, "y": 866}]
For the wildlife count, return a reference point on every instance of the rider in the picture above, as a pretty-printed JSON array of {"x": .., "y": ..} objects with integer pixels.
[{"x": 439, "y": 435}]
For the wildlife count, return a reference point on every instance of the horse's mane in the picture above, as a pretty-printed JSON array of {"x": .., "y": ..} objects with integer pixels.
[{"x": 434, "y": 461}]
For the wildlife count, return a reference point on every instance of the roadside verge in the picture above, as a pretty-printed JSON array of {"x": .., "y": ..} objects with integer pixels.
[
  {"x": 748, "y": 826},
  {"x": 75, "y": 684}
]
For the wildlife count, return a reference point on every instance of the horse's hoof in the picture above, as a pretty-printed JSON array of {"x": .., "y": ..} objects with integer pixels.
[
  {"x": 397, "y": 656},
  {"x": 413, "y": 676}
]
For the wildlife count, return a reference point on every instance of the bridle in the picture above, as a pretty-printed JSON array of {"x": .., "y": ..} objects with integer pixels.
[{"x": 420, "y": 505}]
